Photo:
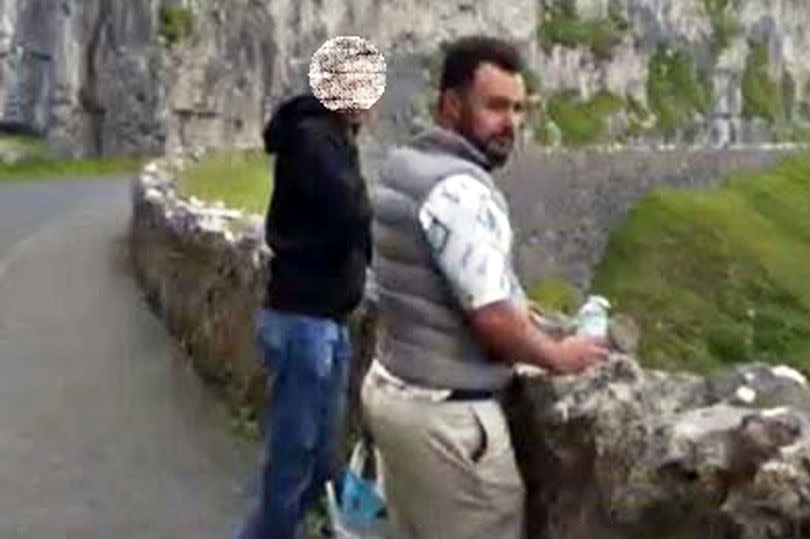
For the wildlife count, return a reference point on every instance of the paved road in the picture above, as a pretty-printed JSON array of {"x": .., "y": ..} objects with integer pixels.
[{"x": 104, "y": 431}]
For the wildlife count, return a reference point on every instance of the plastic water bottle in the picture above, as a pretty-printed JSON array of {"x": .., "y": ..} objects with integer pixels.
[{"x": 592, "y": 319}]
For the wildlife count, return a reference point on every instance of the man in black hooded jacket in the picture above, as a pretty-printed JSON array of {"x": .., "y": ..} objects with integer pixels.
[
  {"x": 318, "y": 228},
  {"x": 319, "y": 218}
]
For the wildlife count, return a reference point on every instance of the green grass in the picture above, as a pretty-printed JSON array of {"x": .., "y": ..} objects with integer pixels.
[
  {"x": 583, "y": 122},
  {"x": 239, "y": 179},
  {"x": 49, "y": 168},
  {"x": 23, "y": 142},
  {"x": 762, "y": 96},
  {"x": 676, "y": 90},
  {"x": 718, "y": 276}
]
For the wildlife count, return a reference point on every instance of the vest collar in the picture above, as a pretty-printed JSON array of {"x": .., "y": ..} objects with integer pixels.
[{"x": 438, "y": 138}]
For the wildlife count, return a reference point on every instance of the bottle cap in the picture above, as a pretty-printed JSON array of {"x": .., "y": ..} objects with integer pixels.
[{"x": 599, "y": 300}]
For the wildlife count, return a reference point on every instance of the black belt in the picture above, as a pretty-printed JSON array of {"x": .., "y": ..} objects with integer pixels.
[{"x": 472, "y": 394}]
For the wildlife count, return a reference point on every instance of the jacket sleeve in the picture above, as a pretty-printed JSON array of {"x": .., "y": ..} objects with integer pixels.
[{"x": 332, "y": 179}]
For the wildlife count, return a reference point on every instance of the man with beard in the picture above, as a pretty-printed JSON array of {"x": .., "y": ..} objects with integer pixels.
[{"x": 454, "y": 319}]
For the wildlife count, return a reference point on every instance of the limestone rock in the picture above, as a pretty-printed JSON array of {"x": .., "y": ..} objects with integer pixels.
[{"x": 622, "y": 452}]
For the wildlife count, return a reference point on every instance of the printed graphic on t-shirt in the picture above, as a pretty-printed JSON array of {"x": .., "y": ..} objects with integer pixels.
[{"x": 471, "y": 238}]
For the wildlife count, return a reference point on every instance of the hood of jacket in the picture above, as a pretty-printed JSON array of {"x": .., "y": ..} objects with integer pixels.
[{"x": 277, "y": 132}]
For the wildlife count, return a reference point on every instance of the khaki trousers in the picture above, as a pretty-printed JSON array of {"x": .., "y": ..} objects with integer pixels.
[{"x": 449, "y": 469}]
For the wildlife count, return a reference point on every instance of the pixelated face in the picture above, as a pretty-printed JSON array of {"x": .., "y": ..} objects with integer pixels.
[
  {"x": 348, "y": 75},
  {"x": 491, "y": 111}
]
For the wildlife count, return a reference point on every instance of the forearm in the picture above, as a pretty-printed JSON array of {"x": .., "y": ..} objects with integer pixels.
[
  {"x": 532, "y": 346},
  {"x": 511, "y": 337}
]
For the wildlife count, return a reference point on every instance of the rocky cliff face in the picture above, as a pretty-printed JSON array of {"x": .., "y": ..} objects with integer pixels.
[
  {"x": 698, "y": 71},
  {"x": 129, "y": 76}
]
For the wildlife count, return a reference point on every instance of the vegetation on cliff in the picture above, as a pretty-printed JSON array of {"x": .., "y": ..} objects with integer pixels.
[
  {"x": 676, "y": 90},
  {"x": 725, "y": 26},
  {"x": 717, "y": 276},
  {"x": 582, "y": 122},
  {"x": 762, "y": 96},
  {"x": 175, "y": 24},
  {"x": 561, "y": 25}
]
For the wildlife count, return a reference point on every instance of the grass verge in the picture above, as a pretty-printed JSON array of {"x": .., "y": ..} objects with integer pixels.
[
  {"x": 41, "y": 168},
  {"x": 241, "y": 180}
]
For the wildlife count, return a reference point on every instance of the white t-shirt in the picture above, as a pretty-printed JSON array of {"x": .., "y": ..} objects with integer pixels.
[{"x": 471, "y": 238}]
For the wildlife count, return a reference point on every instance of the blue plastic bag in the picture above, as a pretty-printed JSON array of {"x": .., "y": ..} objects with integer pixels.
[
  {"x": 360, "y": 512},
  {"x": 360, "y": 501}
]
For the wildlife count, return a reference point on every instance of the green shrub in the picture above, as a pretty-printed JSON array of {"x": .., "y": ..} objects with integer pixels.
[
  {"x": 175, "y": 24},
  {"x": 564, "y": 27},
  {"x": 583, "y": 122},
  {"x": 676, "y": 90},
  {"x": 717, "y": 276},
  {"x": 762, "y": 96},
  {"x": 724, "y": 25}
]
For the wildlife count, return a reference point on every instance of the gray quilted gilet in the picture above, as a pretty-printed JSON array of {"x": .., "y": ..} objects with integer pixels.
[{"x": 424, "y": 338}]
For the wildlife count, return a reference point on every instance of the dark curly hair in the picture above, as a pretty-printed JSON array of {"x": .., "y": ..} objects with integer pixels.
[{"x": 463, "y": 56}]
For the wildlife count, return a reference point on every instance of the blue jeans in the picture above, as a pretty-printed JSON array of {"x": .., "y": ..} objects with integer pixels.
[{"x": 308, "y": 359}]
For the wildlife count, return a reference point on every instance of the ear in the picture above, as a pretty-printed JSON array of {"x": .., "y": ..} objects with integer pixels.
[{"x": 450, "y": 105}]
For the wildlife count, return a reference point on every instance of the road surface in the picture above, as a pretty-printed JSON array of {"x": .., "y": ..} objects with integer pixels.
[{"x": 104, "y": 430}]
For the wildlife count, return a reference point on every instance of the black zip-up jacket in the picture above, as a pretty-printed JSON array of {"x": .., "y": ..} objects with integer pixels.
[{"x": 318, "y": 224}]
